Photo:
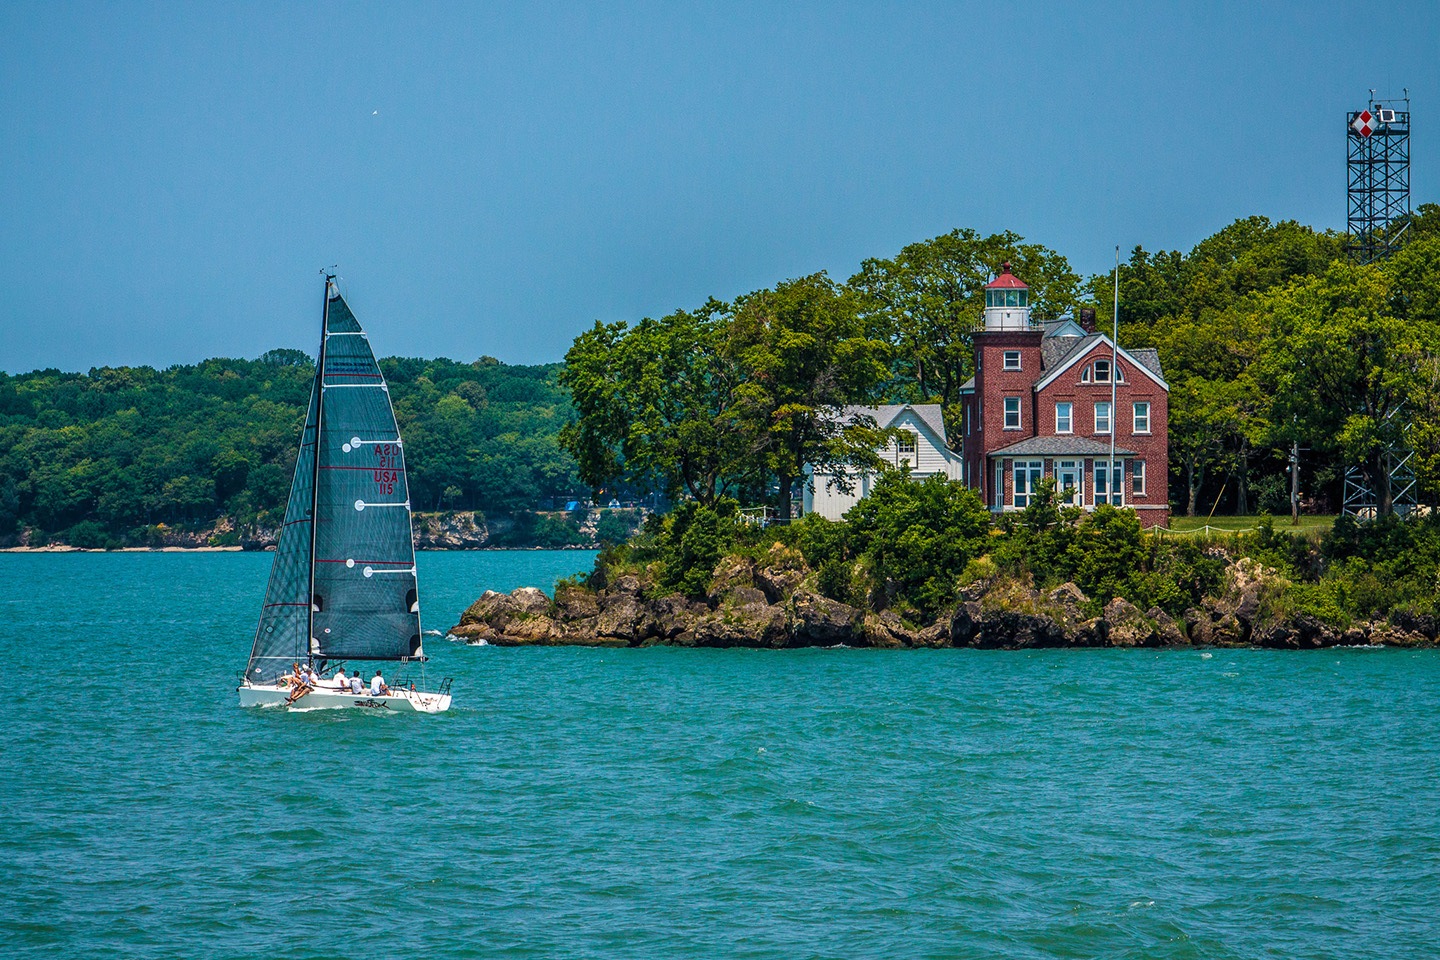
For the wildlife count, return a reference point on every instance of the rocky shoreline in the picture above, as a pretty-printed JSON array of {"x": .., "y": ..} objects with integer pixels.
[
  {"x": 774, "y": 604},
  {"x": 450, "y": 530}
]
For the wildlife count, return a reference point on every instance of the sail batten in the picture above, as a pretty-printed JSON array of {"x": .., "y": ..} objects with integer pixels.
[
  {"x": 365, "y": 612},
  {"x": 324, "y": 600}
]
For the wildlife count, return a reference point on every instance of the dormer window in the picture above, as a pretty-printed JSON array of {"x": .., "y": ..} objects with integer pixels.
[
  {"x": 1012, "y": 359},
  {"x": 1099, "y": 372},
  {"x": 905, "y": 442}
]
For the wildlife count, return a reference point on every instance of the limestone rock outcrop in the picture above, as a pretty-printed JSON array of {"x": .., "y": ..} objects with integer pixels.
[{"x": 774, "y": 603}]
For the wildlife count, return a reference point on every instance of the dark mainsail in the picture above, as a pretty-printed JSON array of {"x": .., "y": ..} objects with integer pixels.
[{"x": 363, "y": 603}]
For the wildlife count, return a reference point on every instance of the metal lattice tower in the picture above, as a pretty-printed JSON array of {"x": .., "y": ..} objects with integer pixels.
[
  {"x": 1378, "y": 174},
  {"x": 1361, "y": 500}
]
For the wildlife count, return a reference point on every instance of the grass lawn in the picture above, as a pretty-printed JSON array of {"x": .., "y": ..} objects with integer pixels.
[{"x": 1310, "y": 524}]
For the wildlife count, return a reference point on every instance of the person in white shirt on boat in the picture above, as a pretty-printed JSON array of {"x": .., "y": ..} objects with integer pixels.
[
  {"x": 356, "y": 684},
  {"x": 340, "y": 682},
  {"x": 378, "y": 687}
]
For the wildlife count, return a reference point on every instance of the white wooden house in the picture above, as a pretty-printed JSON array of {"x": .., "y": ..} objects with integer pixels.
[{"x": 919, "y": 444}]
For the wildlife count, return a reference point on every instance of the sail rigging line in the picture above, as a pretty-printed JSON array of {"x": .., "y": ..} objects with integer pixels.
[{"x": 315, "y": 478}]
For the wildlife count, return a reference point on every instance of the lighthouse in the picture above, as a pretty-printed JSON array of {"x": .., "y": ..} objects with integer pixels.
[
  {"x": 1007, "y": 302},
  {"x": 1056, "y": 401}
]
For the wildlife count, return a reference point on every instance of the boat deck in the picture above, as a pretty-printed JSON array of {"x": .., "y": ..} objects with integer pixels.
[{"x": 327, "y": 697}]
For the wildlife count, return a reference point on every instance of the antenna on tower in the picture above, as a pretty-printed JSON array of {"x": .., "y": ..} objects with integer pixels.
[
  {"x": 1378, "y": 177},
  {"x": 1378, "y": 173}
]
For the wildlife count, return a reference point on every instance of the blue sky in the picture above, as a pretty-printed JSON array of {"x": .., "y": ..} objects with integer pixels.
[{"x": 493, "y": 178}]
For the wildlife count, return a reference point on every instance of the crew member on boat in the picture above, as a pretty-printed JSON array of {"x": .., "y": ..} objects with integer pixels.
[{"x": 377, "y": 685}]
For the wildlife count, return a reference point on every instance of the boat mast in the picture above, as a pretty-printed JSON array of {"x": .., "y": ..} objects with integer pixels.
[{"x": 315, "y": 474}]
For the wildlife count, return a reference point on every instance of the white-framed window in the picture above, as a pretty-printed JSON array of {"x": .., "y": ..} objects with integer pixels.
[
  {"x": 1012, "y": 359},
  {"x": 1027, "y": 475},
  {"x": 1064, "y": 417},
  {"x": 1012, "y": 413},
  {"x": 1137, "y": 478},
  {"x": 998, "y": 498},
  {"x": 1141, "y": 416},
  {"x": 1099, "y": 372},
  {"x": 1067, "y": 482},
  {"x": 904, "y": 448},
  {"x": 1102, "y": 416},
  {"x": 1115, "y": 483}
]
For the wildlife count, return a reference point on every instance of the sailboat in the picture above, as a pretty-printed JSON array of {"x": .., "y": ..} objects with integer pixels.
[{"x": 343, "y": 590}]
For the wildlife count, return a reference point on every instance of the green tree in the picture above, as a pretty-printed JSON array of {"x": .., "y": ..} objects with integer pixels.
[
  {"x": 1345, "y": 362},
  {"x": 657, "y": 405},
  {"x": 805, "y": 352},
  {"x": 928, "y": 301}
]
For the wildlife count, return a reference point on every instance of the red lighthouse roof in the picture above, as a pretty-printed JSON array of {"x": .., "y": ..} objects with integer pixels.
[{"x": 1006, "y": 280}]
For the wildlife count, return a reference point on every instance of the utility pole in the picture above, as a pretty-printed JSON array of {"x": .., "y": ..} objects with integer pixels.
[
  {"x": 1295, "y": 483},
  {"x": 1114, "y": 376}
]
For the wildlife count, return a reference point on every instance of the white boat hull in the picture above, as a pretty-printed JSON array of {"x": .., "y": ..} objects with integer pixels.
[{"x": 323, "y": 698}]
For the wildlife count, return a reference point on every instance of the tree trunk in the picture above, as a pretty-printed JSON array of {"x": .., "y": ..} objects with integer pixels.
[
  {"x": 1194, "y": 479},
  {"x": 1380, "y": 483},
  {"x": 1242, "y": 485}
]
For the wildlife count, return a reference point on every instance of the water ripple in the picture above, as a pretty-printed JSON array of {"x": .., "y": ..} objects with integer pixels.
[{"x": 698, "y": 803}]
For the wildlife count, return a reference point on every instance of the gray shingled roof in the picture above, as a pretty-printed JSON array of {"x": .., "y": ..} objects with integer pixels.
[
  {"x": 1060, "y": 447},
  {"x": 1149, "y": 356},
  {"x": 885, "y": 414},
  {"x": 1054, "y": 351}
]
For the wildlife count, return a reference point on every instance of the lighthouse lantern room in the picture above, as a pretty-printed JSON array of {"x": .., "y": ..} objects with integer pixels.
[{"x": 1007, "y": 302}]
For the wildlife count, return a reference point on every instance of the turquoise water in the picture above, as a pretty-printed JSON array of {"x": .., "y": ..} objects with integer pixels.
[{"x": 694, "y": 803}]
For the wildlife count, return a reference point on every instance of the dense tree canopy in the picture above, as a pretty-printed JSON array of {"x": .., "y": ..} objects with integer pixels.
[
  {"x": 733, "y": 398},
  {"x": 125, "y": 449},
  {"x": 1267, "y": 335},
  {"x": 657, "y": 405},
  {"x": 928, "y": 301}
]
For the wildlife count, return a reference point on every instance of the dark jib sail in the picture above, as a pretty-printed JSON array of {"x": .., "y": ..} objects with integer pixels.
[
  {"x": 363, "y": 603},
  {"x": 281, "y": 638}
]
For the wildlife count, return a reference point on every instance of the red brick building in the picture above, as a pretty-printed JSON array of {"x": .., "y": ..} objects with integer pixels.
[{"x": 1040, "y": 406}]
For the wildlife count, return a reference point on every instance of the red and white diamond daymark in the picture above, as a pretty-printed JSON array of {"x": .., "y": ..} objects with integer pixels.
[{"x": 1364, "y": 123}]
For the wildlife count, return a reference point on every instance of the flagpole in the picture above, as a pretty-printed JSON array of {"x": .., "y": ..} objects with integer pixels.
[{"x": 1114, "y": 376}]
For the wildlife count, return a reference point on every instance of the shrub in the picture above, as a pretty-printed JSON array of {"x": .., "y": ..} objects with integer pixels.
[
  {"x": 915, "y": 539},
  {"x": 89, "y": 535},
  {"x": 616, "y": 526},
  {"x": 541, "y": 530}
]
